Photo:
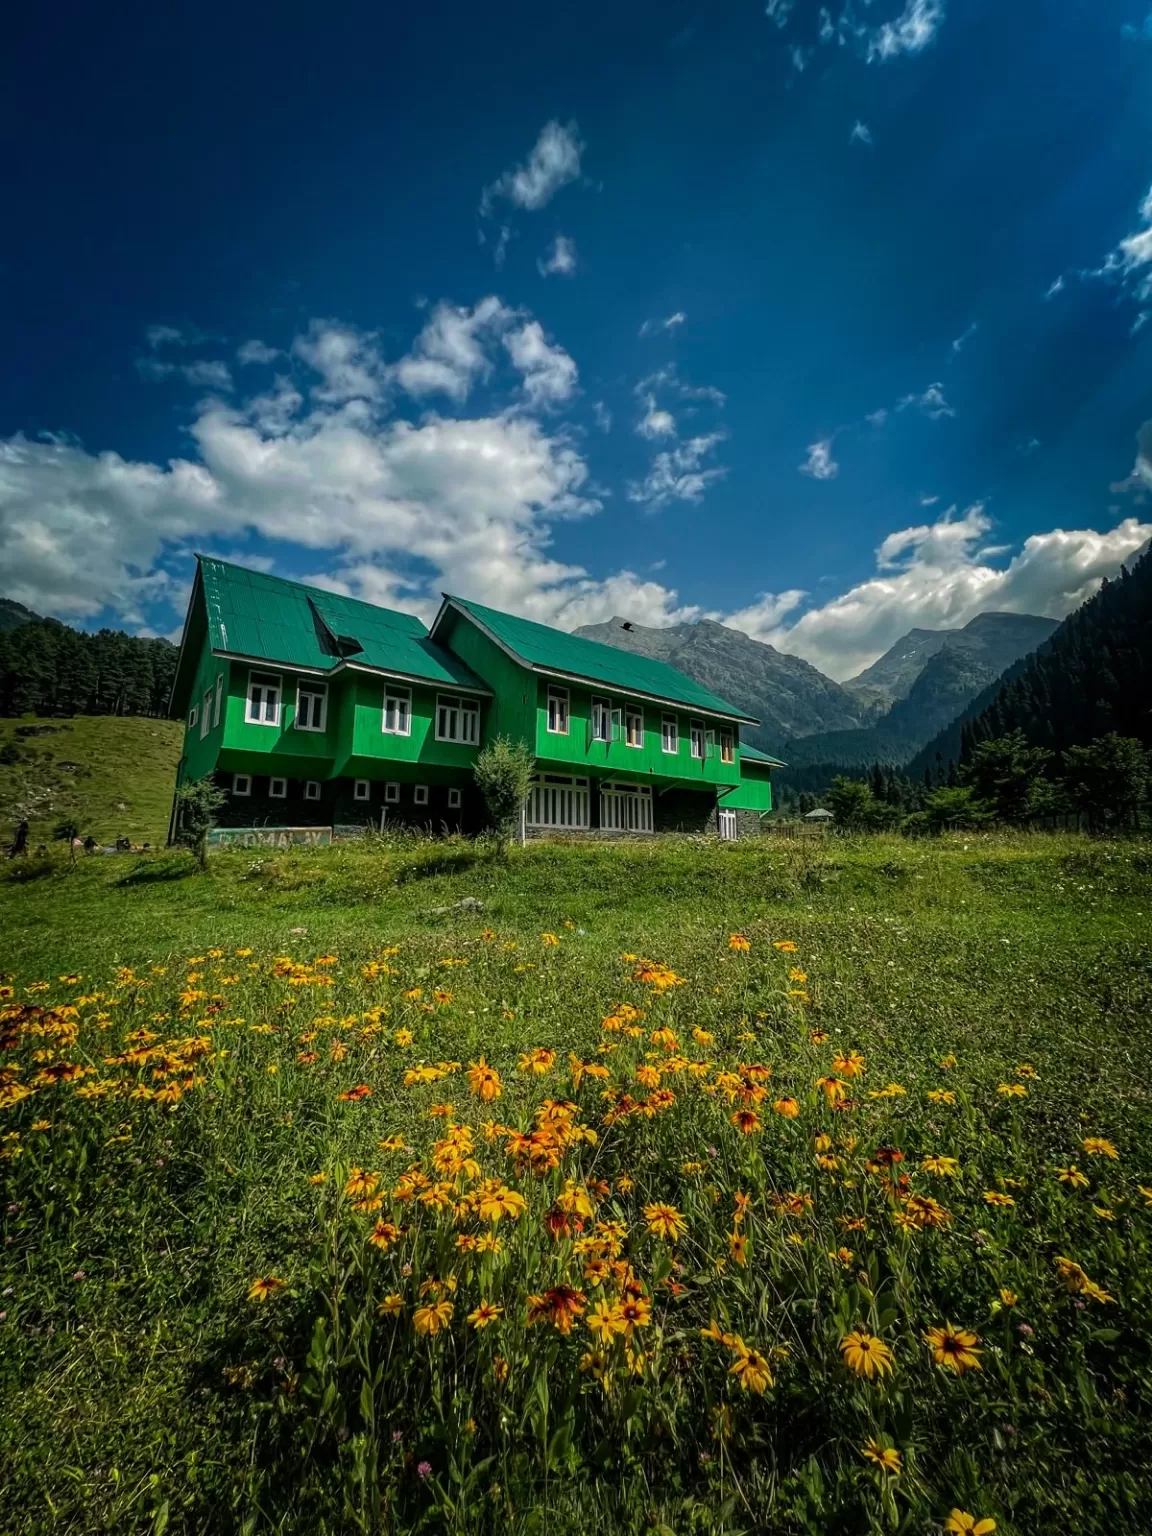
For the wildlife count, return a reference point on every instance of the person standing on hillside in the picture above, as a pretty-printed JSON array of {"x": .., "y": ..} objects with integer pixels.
[{"x": 19, "y": 844}]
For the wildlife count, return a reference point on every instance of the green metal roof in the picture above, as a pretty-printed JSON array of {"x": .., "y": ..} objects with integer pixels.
[
  {"x": 754, "y": 755},
  {"x": 552, "y": 650},
  {"x": 270, "y": 619}
]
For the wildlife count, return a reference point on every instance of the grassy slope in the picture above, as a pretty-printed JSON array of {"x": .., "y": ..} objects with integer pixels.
[
  {"x": 122, "y": 785},
  {"x": 1000, "y": 949}
]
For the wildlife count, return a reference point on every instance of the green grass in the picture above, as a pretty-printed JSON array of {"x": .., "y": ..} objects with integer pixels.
[
  {"x": 150, "y": 1393},
  {"x": 113, "y": 776}
]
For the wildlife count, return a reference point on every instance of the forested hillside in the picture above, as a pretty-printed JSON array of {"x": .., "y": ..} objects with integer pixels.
[
  {"x": 46, "y": 668},
  {"x": 1092, "y": 677}
]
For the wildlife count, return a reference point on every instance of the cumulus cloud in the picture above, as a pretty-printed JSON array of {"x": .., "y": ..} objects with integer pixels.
[
  {"x": 678, "y": 474},
  {"x": 561, "y": 258},
  {"x": 941, "y": 575},
  {"x": 910, "y": 32},
  {"x": 553, "y": 162},
  {"x": 820, "y": 464},
  {"x": 655, "y": 422},
  {"x": 450, "y": 353},
  {"x": 548, "y": 371},
  {"x": 470, "y": 502},
  {"x": 256, "y": 351}
]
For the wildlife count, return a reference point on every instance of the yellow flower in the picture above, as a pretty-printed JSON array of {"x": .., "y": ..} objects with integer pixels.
[
  {"x": 360, "y": 1183},
  {"x": 665, "y": 1221},
  {"x": 961, "y": 1523},
  {"x": 432, "y": 1317},
  {"x": 789, "y": 1108},
  {"x": 391, "y": 1306},
  {"x": 849, "y": 1064},
  {"x": 867, "y": 1355},
  {"x": 265, "y": 1287},
  {"x": 1013, "y": 1090},
  {"x": 941, "y": 1096},
  {"x": 605, "y": 1320},
  {"x": 886, "y": 1457},
  {"x": 484, "y": 1080},
  {"x": 1009, "y": 1298},
  {"x": 943, "y": 1167},
  {"x": 994, "y": 1197},
  {"x": 484, "y": 1314},
  {"x": 752, "y": 1371},
  {"x": 738, "y": 1248},
  {"x": 403, "y": 1037},
  {"x": 1073, "y": 1176},
  {"x": 383, "y": 1235},
  {"x": 1099, "y": 1146},
  {"x": 549, "y": 940},
  {"x": 738, "y": 942},
  {"x": 785, "y": 946},
  {"x": 954, "y": 1348}
]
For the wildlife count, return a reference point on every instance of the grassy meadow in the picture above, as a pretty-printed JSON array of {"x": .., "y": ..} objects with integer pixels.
[{"x": 667, "y": 1186}]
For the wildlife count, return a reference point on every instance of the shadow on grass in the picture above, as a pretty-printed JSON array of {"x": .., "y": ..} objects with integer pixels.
[
  {"x": 454, "y": 861},
  {"x": 159, "y": 871}
]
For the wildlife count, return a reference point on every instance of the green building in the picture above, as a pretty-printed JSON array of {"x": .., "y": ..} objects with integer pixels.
[{"x": 316, "y": 710}]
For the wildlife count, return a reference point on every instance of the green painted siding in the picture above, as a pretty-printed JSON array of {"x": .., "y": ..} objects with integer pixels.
[
  {"x": 578, "y": 750},
  {"x": 200, "y": 751},
  {"x": 754, "y": 792},
  {"x": 376, "y": 754},
  {"x": 510, "y": 712}
]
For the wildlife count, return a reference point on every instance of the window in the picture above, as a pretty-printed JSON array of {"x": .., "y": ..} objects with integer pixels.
[
  {"x": 398, "y": 711},
  {"x": 634, "y": 727},
  {"x": 457, "y": 719},
  {"x": 727, "y": 747},
  {"x": 421, "y": 795},
  {"x": 601, "y": 720},
  {"x": 311, "y": 706},
  {"x": 361, "y": 789},
  {"x": 454, "y": 799},
  {"x": 206, "y": 715},
  {"x": 241, "y": 784},
  {"x": 726, "y": 824},
  {"x": 558, "y": 710},
  {"x": 556, "y": 801},
  {"x": 670, "y": 734},
  {"x": 219, "y": 698},
  {"x": 696, "y": 735},
  {"x": 626, "y": 808},
  {"x": 391, "y": 794},
  {"x": 263, "y": 707},
  {"x": 193, "y": 716},
  {"x": 278, "y": 789},
  {"x": 311, "y": 789}
]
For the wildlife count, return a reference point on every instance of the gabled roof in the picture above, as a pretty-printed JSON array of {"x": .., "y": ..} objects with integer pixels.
[
  {"x": 553, "y": 651},
  {"x": 754, "y": 755},
  {"x": 266, "y": 618}
]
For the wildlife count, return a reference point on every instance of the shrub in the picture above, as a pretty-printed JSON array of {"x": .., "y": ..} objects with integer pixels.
[{"x": 503, "y": 775}]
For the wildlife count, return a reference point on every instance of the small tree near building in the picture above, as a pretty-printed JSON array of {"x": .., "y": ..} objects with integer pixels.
[
  {"x": 503, "y": 775},
  {"x": 1108, "y": 780},
  {"x": 851, "y": 802},
  {"x": 199, "y": 803}
]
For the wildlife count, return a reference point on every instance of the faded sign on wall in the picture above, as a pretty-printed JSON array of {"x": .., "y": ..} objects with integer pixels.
[{"x": 270, "y": 837}]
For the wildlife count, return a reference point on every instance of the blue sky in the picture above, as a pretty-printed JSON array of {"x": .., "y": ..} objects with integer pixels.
[{"x": 823, "y": 321}]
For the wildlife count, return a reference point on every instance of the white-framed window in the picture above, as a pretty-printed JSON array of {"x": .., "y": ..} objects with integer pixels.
[
  {"x": 263, "y": 705},
  {"x": 727, "y": 746},
  {"x": 558, "y": 801},
  {"x": 219, "y": 699},
  {"x": 361, "y": 789},
  {"x": 278, "y": 789},
  {"x": 454, "y": 799},
  {"x": 241, "y": 784},
  {"x": 206, "y": 715},
  {"x": 669, "y": 734},
  {"x": 193, "y": 716},
  {"x": 457, "y": 719},
  {"x": 634, "y": 726},
  {"x": 397, "y": 711},
  {"x": 391, "y": 794},
  {"x": 626, "y": 808},
  {"x": 420, "y": 795},
  {"x": 726, "y": 823},
  {"x": 601, "y": 720},
  {"x": 311, "y": 705},
  {"x": 311, "y": 789},
  {"x": 557, "y": 710},
  {"x": 696, "y": 737}
]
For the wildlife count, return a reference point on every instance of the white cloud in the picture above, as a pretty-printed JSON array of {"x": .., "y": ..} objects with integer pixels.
[
  {"x": 910, "y": 32},
  {"x": 256, "y": 351},
  {"x": 346, "y": 359},
  {"x": 877, "y": 418},
  {"x": 1058, "y": 285},
  {"x": 966, "y": 336},
  {"x": 561, "y": 258},
  {"x": 820, "y": 464},
  {"x": 940, "y": 575},
  {"x": 549, "y": 373},
  {"x": 779, "y": 11},
  {"x": 655, "y": 421},
  {"x": 1132, "y": 258},
  {"x": 861, "y": 133},
  {"x": 650, "y": 327},
  {"x": 205, "y": 373},
  {"x": 677, "y": 474},
  {"x": 164, "y": 336},
  {"x": 602, "y": 415},
  {"x": 450, "y": 353},
  {"x": 552, "y": 164},
  {"x": 800, "y": 57},
  {"x": 931, "y": 402}
]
